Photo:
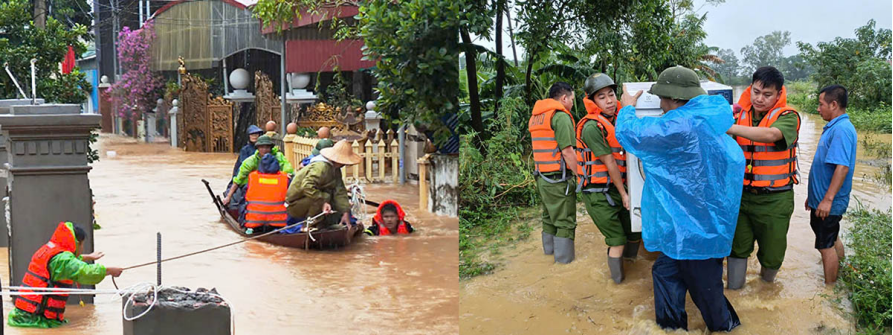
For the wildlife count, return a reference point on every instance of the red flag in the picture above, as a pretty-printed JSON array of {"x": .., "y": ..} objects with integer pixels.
[{"x": 68, "y": 63}]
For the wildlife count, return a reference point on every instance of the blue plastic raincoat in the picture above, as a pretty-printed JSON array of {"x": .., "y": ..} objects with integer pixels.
[{"x": 693, "y": 177}]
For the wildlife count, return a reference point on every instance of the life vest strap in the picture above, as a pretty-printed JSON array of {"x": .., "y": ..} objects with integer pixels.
[
  {"x": 265, "y": 222},
  {"x": 774, "y": 162},
  {"x": 273, "y": 203},
  {"x": 267, "y": 213},
  {"x": 45, "y": 279},
  {"x": 563, "y": 178},
  {"x": 595, "y": 190},
  {"x": 768, "y": 177}
]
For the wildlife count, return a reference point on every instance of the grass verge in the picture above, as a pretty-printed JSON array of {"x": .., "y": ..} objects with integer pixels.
[{"x": 865, "y": 275}]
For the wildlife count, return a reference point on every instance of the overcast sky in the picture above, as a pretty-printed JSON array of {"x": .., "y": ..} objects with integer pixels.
[{"x": 737, "y": 23}]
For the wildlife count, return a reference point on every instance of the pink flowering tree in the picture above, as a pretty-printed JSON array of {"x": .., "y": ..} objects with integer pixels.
[{"x": 135, "y": 92}]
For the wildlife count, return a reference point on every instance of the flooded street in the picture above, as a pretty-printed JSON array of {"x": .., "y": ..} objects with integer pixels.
[
  {"x": 531, "y": 295},
  {"x": 383, "y": 285}
]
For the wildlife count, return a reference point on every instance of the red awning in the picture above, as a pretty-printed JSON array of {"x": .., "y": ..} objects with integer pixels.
[{"x": 304, "y": 56}]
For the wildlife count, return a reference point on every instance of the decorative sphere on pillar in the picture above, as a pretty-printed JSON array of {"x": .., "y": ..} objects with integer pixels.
[
  {"x": 370, "y": 105},
  {"x": 271, "y": 125},
  {"x": 299, "y": 80},
  {"x": 104, "y": 80},
  {"x": 292, "y": 128},
  {"x": 239, "y": 79},
  {"x": 175, "y": 103}
]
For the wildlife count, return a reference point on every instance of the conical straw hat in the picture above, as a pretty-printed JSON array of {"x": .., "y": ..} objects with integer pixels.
[{"x": 341, "y": 153}]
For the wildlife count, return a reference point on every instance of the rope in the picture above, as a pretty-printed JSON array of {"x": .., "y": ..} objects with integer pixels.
[
  {"x": 224, "y": 245},
  {"x": 358, "y": 201}
]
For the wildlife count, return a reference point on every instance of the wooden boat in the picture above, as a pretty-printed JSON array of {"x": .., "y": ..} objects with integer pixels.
[{"x": 337, "y": 237}]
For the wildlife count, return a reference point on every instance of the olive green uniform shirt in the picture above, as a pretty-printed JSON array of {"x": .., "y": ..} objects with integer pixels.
[
  {"x": 314, "y": 185},
  {"x": 563, "y": 125}
]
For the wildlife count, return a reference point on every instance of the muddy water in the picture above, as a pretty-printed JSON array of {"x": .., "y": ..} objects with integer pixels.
[
  {"x": 531, "y": 295},
  {"x": 377, "y": 285}
]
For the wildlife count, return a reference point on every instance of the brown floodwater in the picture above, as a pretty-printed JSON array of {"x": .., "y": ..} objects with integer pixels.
[
  {"x": 384, "y": 285},
  {"x": 531, "y": 295}
]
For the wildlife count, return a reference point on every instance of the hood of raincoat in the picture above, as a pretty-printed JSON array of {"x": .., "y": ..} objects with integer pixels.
[
  {"x": 693, "y": 177},
  {"x": 252, "y": 129},
  {"x": 64, "y": 237},
  {"x": 268, "y": 164},
  {"x": 400, "y": 213}
]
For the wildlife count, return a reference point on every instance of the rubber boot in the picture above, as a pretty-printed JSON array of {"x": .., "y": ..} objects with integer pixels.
[
  {"x": 737, "y": 270},
  {"x": 564, "y": 250},
  {"x": 768, "y": 275},
  {"x": 616, "y": 266},
  {"x": 631, "y": 250},
  {"x": 548, "y": 243}
]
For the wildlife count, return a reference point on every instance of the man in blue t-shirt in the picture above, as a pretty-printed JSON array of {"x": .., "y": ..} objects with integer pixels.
[{"x": 831, "y": 177}]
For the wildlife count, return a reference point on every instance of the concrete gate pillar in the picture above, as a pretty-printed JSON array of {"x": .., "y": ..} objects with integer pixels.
[
  {"x": 46, "y": 177},
  {"x": 4, "y": 109},
  {"x": 444, "y": 187}
]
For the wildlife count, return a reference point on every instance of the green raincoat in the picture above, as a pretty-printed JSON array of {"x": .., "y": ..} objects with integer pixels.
[
  {"x": 63, "y": 266},
  {"x": 250, "y": 164}
]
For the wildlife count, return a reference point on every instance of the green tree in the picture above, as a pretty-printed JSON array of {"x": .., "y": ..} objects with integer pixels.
[
  {"x": 71, "y": 12},
  {"x": 20, "y": 41},
  {"x": 796, "y": 68},
  {"x": 730, "y": 69},
  {"x": 860, "y": 64},
  {"x": 413, "y": 42},
  {"x": 416, "y": 49},
  {"x": 766, "y": 50}
]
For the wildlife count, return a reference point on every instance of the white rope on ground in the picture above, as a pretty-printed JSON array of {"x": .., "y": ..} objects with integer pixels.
[{"x": 130, "y": 300}]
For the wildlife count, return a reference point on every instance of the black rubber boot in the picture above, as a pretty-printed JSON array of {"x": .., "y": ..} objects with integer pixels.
[
  {"x": 737, "y": 270},
  {"x": 768, "y": 275},
  {"x": 631, "y": 250},
  {"x": 564, "y": 250},
  {"x": 616, "y": 267},
  {"x": 548, "y": 243}
]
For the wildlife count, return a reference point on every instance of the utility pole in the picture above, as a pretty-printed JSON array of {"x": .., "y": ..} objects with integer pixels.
[{"x": 115, "y": 23}]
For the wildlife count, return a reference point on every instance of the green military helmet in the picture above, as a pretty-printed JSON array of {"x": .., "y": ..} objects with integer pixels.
[
  {"x": 596, "y": 82},
  {"x": 679, "y": 83},
  {"x": 264, "y": 140},
  {"x": 322, "y": 144}
]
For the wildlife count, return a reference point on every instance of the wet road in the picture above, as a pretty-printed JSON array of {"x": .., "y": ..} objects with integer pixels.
[
  {"x": 531, "y": 295},
  {"x": 389, "y": 285}
]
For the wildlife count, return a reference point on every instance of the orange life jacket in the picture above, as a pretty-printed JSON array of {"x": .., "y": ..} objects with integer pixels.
[
  {"x": 377, "y": 219},
  {"x": 768, "y": 167},
  {"x": 590, "y": 169},
  {"x": 546, "y": 153},
  {"x": 266, "y": 200},
  {"x": 38, "y": 276}
]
